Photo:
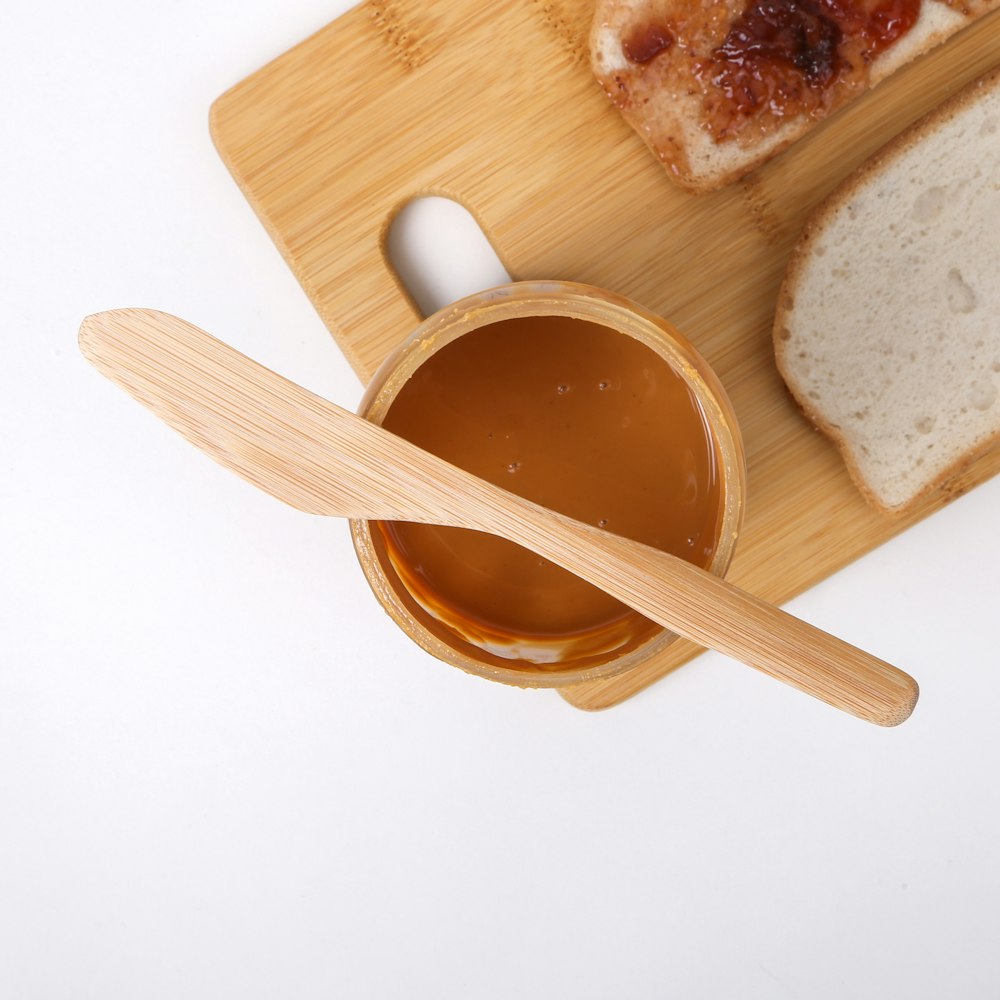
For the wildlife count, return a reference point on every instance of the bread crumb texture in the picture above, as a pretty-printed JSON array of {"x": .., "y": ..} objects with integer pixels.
[{"x": 888, "y": 324}]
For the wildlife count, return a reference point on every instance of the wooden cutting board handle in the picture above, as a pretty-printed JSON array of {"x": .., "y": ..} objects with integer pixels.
[{"x": 403, "y": 99}]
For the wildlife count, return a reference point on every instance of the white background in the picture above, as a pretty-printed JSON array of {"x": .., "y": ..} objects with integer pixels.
[{"x": 224, "y": 773}]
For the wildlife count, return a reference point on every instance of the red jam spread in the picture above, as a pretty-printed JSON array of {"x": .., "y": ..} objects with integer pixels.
[
  {"x": 776, "y": 58},
  {"x": 646, "y": 42},
  {"x": 771, "y": 41}
]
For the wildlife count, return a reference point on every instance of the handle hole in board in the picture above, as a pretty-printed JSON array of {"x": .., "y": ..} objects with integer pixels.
[{"x": 440, "y": 253}]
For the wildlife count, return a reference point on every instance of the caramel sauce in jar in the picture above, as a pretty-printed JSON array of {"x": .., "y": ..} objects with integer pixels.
[{"x": 577, "y": 416}]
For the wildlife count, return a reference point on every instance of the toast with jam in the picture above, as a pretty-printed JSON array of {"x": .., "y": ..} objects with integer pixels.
[{"x": 717, "y": 87}]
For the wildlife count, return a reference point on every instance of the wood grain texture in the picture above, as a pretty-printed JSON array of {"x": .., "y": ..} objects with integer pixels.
[
  {"x": 492, "y": 105},
  {"x": 323, "y": 459}
]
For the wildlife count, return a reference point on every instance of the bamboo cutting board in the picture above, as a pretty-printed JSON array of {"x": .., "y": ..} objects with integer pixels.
[{"x": 494, "y": 105}]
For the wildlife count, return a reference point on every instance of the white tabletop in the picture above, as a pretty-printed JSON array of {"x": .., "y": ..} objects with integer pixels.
[{"x": 225, "y": 773}]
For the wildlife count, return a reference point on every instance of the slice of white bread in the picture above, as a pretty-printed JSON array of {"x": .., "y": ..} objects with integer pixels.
[
  {"x": 668, "y": 92},
  {"x": 887, "y": 329}
]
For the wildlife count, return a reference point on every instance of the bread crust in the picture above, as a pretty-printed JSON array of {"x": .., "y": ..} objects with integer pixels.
[
  {"x": 665, "y": 100},
  {"x": 821, "y": 218}
]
